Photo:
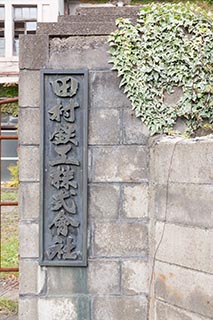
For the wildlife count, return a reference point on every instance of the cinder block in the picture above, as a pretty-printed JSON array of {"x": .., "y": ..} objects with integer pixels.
[
  {"x": 100, "y": 17},
  {"x": 185, "y": 288},
  {"x": 135, "y": 203},
  {"x": 80, "y": 28},
  {"x": 34, "y": 51},
  {"x": 29, "y": 117},
  {"x": 28, "y": 270},
  {"x": 109, "y": 11},
  {"x": 120, "y": 239},
  {"x": 89, "y": 163},
  {"x": 79, "y": 52},
  {"x": 120, "y": 164},
  {"x": 182, "y": 160},
  {"x": 66, "y": 281},
  {"x": 29, "y": 163},
  {"x": 134, "y": 131},
  {"x": 104, "y": 126},
  {"x": 65, "y": 308},
  {"x": 29, "y": 201},
  {"x": 57, "y": 309},
  {"x": 167, "y": 312},
  {"x": 189, "y": 204},
  {"x": 28, "y": 240},
  {"x": 135, "y": 277},
  {"x": 118, "y": 308},
  {"x": 104, "y": 201},
  {"x": 104, "y": 90},
  {"x": 28, "y": 308},
  {"x": 42, "y": 280},
  {"x": 104, "y": 277},
  {"x": 29, "y": 89},
  {"x": 189, "y": 247}
]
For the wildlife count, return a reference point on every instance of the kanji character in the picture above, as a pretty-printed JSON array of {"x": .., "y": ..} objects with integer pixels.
[
  {"x": 56, "y": 249},
  {"x": 65, "y": 87},
  {"x": 56, "y": 111},
  {"x": 62, "y": 151},
  {"x": 62, "y": 222},
  {"x": 68, "y": 250},
  {"x": 58, "y": 201},
  {"x": 69, "y": 111},
  {"x": 64, "y": 134}
]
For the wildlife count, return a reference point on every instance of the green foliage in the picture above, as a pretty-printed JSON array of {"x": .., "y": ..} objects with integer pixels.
[
  {"x": 8, "y": 305},
  {"x": 9, "y": 238},
  {"x": 198, "y": 2},
  {"x": 9, "y": 90},
  {"x": 14, "y": 170},
  {"x": 10, "y": 108},
  {"x": 171, "y": 46},
  {"x": 10, "y": 252},
  {"x": 9, "y": 195}
]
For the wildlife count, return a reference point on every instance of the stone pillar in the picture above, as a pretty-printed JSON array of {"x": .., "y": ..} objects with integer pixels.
[{"x": 115, "y": 283}]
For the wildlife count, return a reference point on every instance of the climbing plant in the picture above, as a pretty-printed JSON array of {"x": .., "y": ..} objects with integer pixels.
[{"x": 170, "y": 47}]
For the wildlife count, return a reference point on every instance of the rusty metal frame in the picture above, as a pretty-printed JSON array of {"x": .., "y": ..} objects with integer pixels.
[{"x": 8, "y": 203}]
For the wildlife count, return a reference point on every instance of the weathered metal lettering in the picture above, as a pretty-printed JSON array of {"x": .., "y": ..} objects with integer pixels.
[
  {"x": 65, "y": 86},
  {"x": 64, "y": 129},
  {"x": 64, "y": 134}
]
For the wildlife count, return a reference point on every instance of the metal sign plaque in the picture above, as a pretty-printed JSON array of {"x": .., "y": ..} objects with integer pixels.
[{"x": 64, "y": 127}]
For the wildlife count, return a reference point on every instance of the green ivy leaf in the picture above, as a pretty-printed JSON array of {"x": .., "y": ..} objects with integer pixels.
[{"x": 170, "y": 46}]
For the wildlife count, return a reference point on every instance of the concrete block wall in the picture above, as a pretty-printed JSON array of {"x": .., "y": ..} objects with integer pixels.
[
  {"x": 143, "y": 196},
  {"x": 181, "y": 179},
  {"x": 115, "y": 283}
]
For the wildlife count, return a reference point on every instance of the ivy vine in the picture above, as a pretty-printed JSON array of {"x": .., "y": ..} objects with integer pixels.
[{"x": 170, "y": 47}]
